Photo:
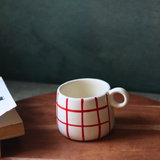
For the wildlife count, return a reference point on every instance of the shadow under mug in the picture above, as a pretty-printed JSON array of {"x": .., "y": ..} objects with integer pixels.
[{"x": 84, "y": 108}]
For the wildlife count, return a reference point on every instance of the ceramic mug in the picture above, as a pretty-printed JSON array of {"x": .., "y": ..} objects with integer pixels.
[{"x": 84, "y": 108}]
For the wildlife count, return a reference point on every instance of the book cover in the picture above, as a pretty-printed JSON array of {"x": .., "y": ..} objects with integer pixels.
[{"x": 6, "y": 101}]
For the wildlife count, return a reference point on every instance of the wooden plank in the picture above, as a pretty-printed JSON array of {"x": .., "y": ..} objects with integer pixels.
[{"x": 135, "y": 135}]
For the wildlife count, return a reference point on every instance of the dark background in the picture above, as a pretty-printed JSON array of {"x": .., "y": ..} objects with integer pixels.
[{"x": 53, "y": 41}]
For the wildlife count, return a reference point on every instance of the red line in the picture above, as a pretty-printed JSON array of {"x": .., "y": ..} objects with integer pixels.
[
  {"x": 57, "y": 107},
  {"x": 82, "y": 119},
  {"x": 79, "y": 111},
  {"x": 99, "y": 123},
  {"x": 67, "y": 117},
  {"x": 74, "y": 125},
  {"x": 108, "y": 114}
]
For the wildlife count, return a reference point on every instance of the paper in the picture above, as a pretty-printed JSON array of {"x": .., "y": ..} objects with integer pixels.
[{"x": 6, "y": 101}]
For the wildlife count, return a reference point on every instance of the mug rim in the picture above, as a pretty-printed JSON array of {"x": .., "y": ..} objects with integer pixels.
[{"x": 81, "y": 79}]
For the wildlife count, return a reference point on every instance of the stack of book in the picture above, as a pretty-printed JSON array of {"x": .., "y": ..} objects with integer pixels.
[{"x": 11, "y": 124}]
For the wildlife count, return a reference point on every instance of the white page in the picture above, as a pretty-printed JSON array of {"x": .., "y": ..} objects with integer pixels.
[{"x": 6, "y": 101}]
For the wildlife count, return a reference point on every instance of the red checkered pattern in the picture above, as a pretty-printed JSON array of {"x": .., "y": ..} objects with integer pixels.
[{"x": 82, "y": 119}]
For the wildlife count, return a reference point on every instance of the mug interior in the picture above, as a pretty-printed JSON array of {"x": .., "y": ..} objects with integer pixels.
[{"x": 84, "y": 88}]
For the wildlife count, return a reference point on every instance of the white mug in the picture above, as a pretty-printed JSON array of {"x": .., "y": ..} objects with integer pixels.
[{"x": 84, "y": 108}]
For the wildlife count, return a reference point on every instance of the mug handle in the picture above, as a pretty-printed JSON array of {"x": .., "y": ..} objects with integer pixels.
[{"x": 124, "y": 94}]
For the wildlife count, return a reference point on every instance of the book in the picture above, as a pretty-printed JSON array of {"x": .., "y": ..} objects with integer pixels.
[
  {"x": 11, "y": 124},
  {"x": 6, "y": 101}
]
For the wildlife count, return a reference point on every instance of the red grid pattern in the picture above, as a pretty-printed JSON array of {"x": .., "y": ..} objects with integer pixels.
[
  {"x": 99, "y": 123},
  {"x": 57, "y": 108},
  {"x": 82, "y": 102},
  {"x": 82, "y": 119}
]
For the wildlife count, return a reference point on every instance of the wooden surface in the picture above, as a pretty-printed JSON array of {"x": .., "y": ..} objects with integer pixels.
[{"x": 136, "y": 134}]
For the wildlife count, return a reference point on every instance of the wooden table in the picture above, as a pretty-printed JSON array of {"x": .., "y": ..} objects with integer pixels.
[{"x": 136, "y": 134}]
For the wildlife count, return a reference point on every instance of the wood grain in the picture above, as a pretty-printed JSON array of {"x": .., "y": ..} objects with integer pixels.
[{"x": 136, "y": 134}]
